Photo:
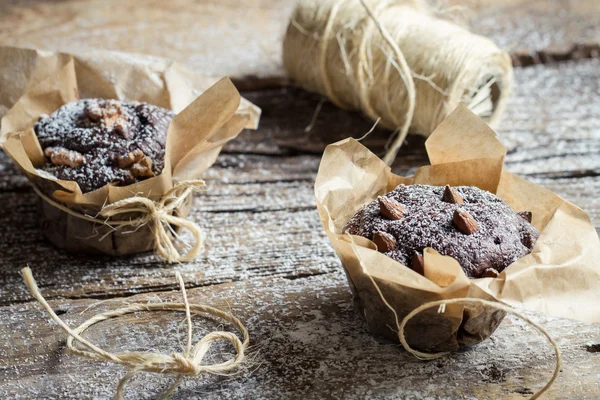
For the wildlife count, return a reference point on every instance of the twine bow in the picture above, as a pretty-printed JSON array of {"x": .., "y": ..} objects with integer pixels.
[
  {"x": 189, "y": 363},
  {"x": 158, "y": 215}
]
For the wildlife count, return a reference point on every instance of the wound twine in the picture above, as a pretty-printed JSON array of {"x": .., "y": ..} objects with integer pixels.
[
  {"x": 189, "y": 363},
  {"x": 401, "y": 326},
  {"x": 159, "y": 215},
  {"x": 395, "y": 60}
]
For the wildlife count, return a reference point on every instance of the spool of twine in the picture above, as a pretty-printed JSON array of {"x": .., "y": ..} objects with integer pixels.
[{"x": 395, "y": 60}]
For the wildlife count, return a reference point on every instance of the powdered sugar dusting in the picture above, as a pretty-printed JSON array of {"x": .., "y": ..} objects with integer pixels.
[
  {"x": 45, "y": 174},
  {"x": 497, "y": 243},
  {"x": 81, "y": 129}
]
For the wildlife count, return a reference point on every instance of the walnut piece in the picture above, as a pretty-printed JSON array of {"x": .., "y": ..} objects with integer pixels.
[
  {"x": 62, "y": 156},
  {"x": 111, "y": 110},
  {"x": 143, "y": 168},
  {"x": 93, "y": 112},
  {"x": 129, "y": 159},
  {"x": 109, "y": 115},
  {"x": 120, "y": 126}
]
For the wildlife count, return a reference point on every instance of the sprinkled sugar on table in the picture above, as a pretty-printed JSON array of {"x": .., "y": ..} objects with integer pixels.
[{"x": 267, "y": 257}]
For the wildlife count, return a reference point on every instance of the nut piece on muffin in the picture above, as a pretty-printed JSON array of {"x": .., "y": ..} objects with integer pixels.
[
  {"x": 475, "y": 227},
  {"x": 95, "y": 142}
]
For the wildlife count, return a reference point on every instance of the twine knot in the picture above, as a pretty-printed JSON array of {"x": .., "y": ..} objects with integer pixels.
[
  {"x": 161, "y": 216},
  {"x": 185, "y": 365},
  {"x": 189, "y": 363}
]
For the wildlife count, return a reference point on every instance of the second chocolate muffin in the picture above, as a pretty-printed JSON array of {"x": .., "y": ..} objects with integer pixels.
[
  {"x": 473, "y": 226},
  {"x": 95, "y": 142}
]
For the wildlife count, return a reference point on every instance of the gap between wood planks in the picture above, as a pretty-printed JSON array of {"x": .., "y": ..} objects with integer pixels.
[{"x": 578, "y": 51}]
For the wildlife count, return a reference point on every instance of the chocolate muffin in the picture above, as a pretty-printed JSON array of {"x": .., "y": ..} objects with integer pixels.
[
  {"x": 475, "y": 227},
  {"x": 95, "y": 142}
]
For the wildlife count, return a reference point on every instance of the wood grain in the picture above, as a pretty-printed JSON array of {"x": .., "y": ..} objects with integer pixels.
[
  {"x": 243, "y": 39},
  {"x": 529, "y": 27},
  {"x": 307, "y": 342},
  {"x": 238, "y": 39},
  {"x": 267, "y": 256}
]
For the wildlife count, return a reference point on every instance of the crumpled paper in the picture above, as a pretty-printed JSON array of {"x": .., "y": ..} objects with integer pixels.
[{"x": 560, "y": 277}]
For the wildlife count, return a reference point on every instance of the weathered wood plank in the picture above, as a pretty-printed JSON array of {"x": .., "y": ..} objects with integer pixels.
[
  {"x": 537, "y": 31},
  {"x": 262, "y": 230},
  {"x": 243, "y": 39},
  {"x": 239, "y": 39},
  {"x": 551, "y": 113},
  {"x": 307, "y": 341}
]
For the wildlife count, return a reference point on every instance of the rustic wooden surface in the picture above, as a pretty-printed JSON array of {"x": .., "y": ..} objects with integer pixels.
[
  {"x": 267, "y": 257},
  {"x": 243, "y": 39},
  {"x": 307, "y": 342}
]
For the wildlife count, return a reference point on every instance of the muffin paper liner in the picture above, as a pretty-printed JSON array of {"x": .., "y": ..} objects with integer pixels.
[
  {"x": 210, "y": 112},
  {"x": 560, "y": 277}
]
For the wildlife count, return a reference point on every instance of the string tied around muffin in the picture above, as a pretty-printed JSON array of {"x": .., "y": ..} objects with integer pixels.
[
  {"x": 188, "y": 363},
  {"x": 159, "y": 215},
  {"x": 441, "y": 304}
]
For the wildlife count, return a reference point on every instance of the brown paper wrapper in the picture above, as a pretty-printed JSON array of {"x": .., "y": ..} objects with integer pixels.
[
  {"x": 560, "y": 277},
  {"x": 209, "y": 113}
]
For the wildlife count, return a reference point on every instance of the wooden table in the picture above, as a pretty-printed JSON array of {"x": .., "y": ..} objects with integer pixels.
[{"x": 267, "y": 258}]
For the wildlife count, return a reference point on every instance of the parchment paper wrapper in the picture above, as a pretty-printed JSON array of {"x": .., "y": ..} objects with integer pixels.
[
  {"x": 561, "y": 276},
  {"x": 38, "y": 82}
]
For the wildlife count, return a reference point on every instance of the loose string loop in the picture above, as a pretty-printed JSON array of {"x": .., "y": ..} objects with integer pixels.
[
  {"x": 159, "y": 215},
  {"x": 492, "y": 304},
  {"x": 187, "y": 364},
  {"x": 401, "y": 326}
]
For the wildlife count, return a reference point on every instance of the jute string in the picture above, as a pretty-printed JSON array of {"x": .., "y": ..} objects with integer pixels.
[
  {"x": 441, "y": 304},
  {"x": 395, "y": 60},
  {"x": 158, "y": 215},
  {"x": 187, "y": 364}
]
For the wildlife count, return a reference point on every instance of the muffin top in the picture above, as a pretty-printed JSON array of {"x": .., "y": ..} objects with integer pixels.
[
  {"x": 475, "y": 227},
  {"x": 95, "y": 142}
]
